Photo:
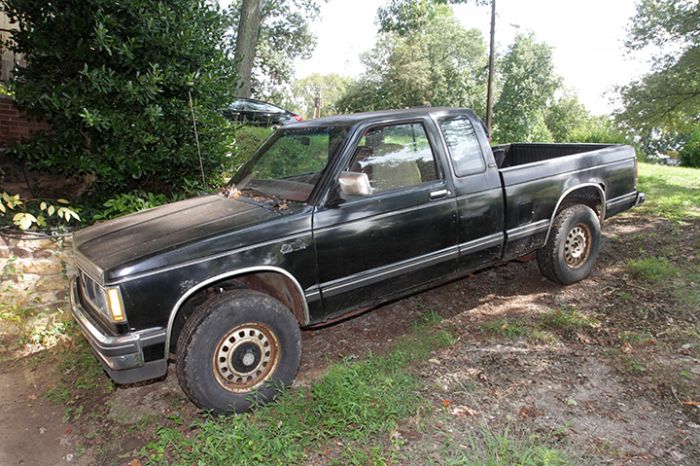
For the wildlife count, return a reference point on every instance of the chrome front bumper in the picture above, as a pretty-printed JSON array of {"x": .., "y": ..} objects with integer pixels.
[{"x": 122, "y": 355}]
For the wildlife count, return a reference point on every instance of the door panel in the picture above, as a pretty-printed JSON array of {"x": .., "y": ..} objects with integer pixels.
[
  {"x": 374, "y": 247},
  {"x": 402, "y": 235}
]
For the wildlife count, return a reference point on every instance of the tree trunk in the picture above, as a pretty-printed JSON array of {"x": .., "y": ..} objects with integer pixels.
[{"x": 246, "y": 43}]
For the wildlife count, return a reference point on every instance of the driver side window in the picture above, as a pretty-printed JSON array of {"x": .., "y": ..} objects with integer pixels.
[{"x": 395, "y": 156}]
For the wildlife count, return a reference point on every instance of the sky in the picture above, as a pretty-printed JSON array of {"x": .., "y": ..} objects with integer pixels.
[{"x": 587, "y": 37}]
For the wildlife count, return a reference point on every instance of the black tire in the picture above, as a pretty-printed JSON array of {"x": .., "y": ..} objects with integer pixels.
[
  {"x": 238, "y": 349},
  {"x": 572, "y": 247}
]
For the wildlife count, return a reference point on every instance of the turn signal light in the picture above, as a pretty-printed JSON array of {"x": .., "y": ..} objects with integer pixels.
[{"x": 115, "y": 304}]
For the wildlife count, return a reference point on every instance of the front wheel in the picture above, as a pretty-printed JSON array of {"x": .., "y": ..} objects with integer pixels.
[
  {"x": 572, "y": 247},
  {"x": 238, "y": 348}
]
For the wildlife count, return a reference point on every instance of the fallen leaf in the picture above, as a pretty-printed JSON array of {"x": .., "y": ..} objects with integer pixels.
[
  {"x": 481, "y": 376},
  {"x": 135, "y": 462},
  {"x": 528, "y": 411},
  {"x": 445, "y": 403},
  {"x": 691, "y": 403},
  {"x": 626, "y": 348},
  {"x": 434, "y": 361}
]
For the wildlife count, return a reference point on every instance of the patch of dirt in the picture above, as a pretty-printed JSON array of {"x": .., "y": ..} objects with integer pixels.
[
  {"x": 606, "y": 398},
  {"x": 32, "y": 431}
]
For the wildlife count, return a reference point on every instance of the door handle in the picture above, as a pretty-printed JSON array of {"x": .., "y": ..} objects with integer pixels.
[{"x": 438, "y": 194}]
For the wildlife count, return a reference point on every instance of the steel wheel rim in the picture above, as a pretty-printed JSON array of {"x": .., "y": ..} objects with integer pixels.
[
  {"x": 245, "y": 357},
  {"x": 577, "y": 246}
]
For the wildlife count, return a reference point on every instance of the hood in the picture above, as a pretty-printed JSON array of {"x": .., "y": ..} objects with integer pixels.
[{"x": 105, "y": 247}]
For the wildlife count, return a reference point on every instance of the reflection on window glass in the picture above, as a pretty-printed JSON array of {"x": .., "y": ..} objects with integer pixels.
[
  {"x": 395, "y": 157},
  {"x": 463, "y": 144},
  {"x": 293, "y": 155}
]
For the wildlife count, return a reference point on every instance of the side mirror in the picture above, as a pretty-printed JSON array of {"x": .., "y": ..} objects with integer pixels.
[{"x": 354, "y": 184}]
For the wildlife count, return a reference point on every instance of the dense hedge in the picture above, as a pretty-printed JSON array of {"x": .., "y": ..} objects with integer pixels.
[{"x": 114, "y": 81}]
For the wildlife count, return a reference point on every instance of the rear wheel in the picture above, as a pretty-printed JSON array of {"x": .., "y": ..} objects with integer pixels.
[
  {"x": 572, "y": 247},
  {"x": 238, "y": 348}
]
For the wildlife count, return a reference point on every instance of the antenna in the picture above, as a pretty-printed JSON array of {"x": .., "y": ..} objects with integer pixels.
[{"x": 196, "y": 138}]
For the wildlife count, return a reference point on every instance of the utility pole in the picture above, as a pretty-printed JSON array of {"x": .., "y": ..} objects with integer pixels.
[
  {"x": 492, "y": 60},
  {"x": 318, "y": 102}
]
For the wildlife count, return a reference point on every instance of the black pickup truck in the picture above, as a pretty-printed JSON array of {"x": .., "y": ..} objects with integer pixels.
[{"x": 329, "y": 218}]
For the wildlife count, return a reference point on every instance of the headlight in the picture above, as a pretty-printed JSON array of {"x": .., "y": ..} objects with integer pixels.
[{"x": 107, "y": 301}]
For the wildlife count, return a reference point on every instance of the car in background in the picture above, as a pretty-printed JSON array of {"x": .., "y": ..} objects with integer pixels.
[{"x": 258, "y": 113}]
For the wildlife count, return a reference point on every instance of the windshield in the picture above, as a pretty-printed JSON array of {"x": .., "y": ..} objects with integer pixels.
[{"x": 290, "y": 164}]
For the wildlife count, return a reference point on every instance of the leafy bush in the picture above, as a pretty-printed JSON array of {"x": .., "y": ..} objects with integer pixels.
[
  {"x": 114, "y": 80},
  {"x": 36, "y": 213},
  {"x": 135, "y": 201},
  {"x": 690, "y": 151}
]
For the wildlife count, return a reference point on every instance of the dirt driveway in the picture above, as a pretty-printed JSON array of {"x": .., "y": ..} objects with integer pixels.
[{"x": 609, "y": 366}]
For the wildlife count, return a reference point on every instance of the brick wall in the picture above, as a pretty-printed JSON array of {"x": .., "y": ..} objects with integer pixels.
[{"x": 15, "y": 126}]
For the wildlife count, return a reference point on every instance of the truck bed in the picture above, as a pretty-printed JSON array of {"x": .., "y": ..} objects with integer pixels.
[
  {"x": 535, "y": 176},
  {"x": 519, "y": 154}
]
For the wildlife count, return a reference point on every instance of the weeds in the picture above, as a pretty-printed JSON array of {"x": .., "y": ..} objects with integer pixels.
[
  {"x": 488, "y": 448},
  {"x": 505, "y": 328},
  {"x": 348, "y": 408},
  {"x": 566, "y": 318},
  {"x": 653, "y": 269}
]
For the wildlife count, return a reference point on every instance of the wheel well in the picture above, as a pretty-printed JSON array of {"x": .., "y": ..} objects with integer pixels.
[
  {"x": 274, "y": 284},
  {"x": 586, "y": 195}
]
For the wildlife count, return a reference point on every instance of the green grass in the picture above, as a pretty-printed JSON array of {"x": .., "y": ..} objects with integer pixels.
[
  {"x": 350, "y": 410},
  {"x": 672, "y": 192},
  {"x": 489, "y": 448},
  {"x": 653, "y": 269},
  {"x": 505, "y": 328},
  {"x": 566, "y": 318}
]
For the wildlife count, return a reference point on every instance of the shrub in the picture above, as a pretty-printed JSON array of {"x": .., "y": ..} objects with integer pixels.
[
  {"x": 690, "y": 151},
  {"x": 114, "y": 80},
  {"x": 135, "y": 201},
  {"x": 26, "y": 214}
]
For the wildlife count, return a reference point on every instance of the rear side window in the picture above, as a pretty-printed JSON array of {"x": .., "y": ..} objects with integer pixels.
[{"x": 463, "y": 145}]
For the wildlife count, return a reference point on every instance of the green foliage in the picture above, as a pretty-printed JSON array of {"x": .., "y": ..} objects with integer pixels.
[
  {"x": 669, "y": 96},
  {"x": 441, "y": 64},
  {"x": 505, "y": 328},
  {"x": 330, "y": 87},
  {"x": 36, "y": 213},
  {"x": 565, "y": 116},
  {"x": 248, "y": 139},
  {"x": 357, "y": 403},
  {"x": 653, "y": 269},
  {"x": 292, "y": 155},
  {"x": 405, "y": 17},
  {"x": 672, "y": 192},
  {"x": 285, "y": 35},
  {"x": 490, "y": 448},
  {"x": 598, "y": 130},
  {"x": 690, "y": 151},
  {"x": 566, "y": 318},
  {"x": 134, "y": 201},
  {"x": 527, "y": 90},
  {"x": 113, "y": 79}
]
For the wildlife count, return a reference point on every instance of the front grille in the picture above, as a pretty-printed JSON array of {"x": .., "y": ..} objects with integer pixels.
[{"x": 92, "y": 292}]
